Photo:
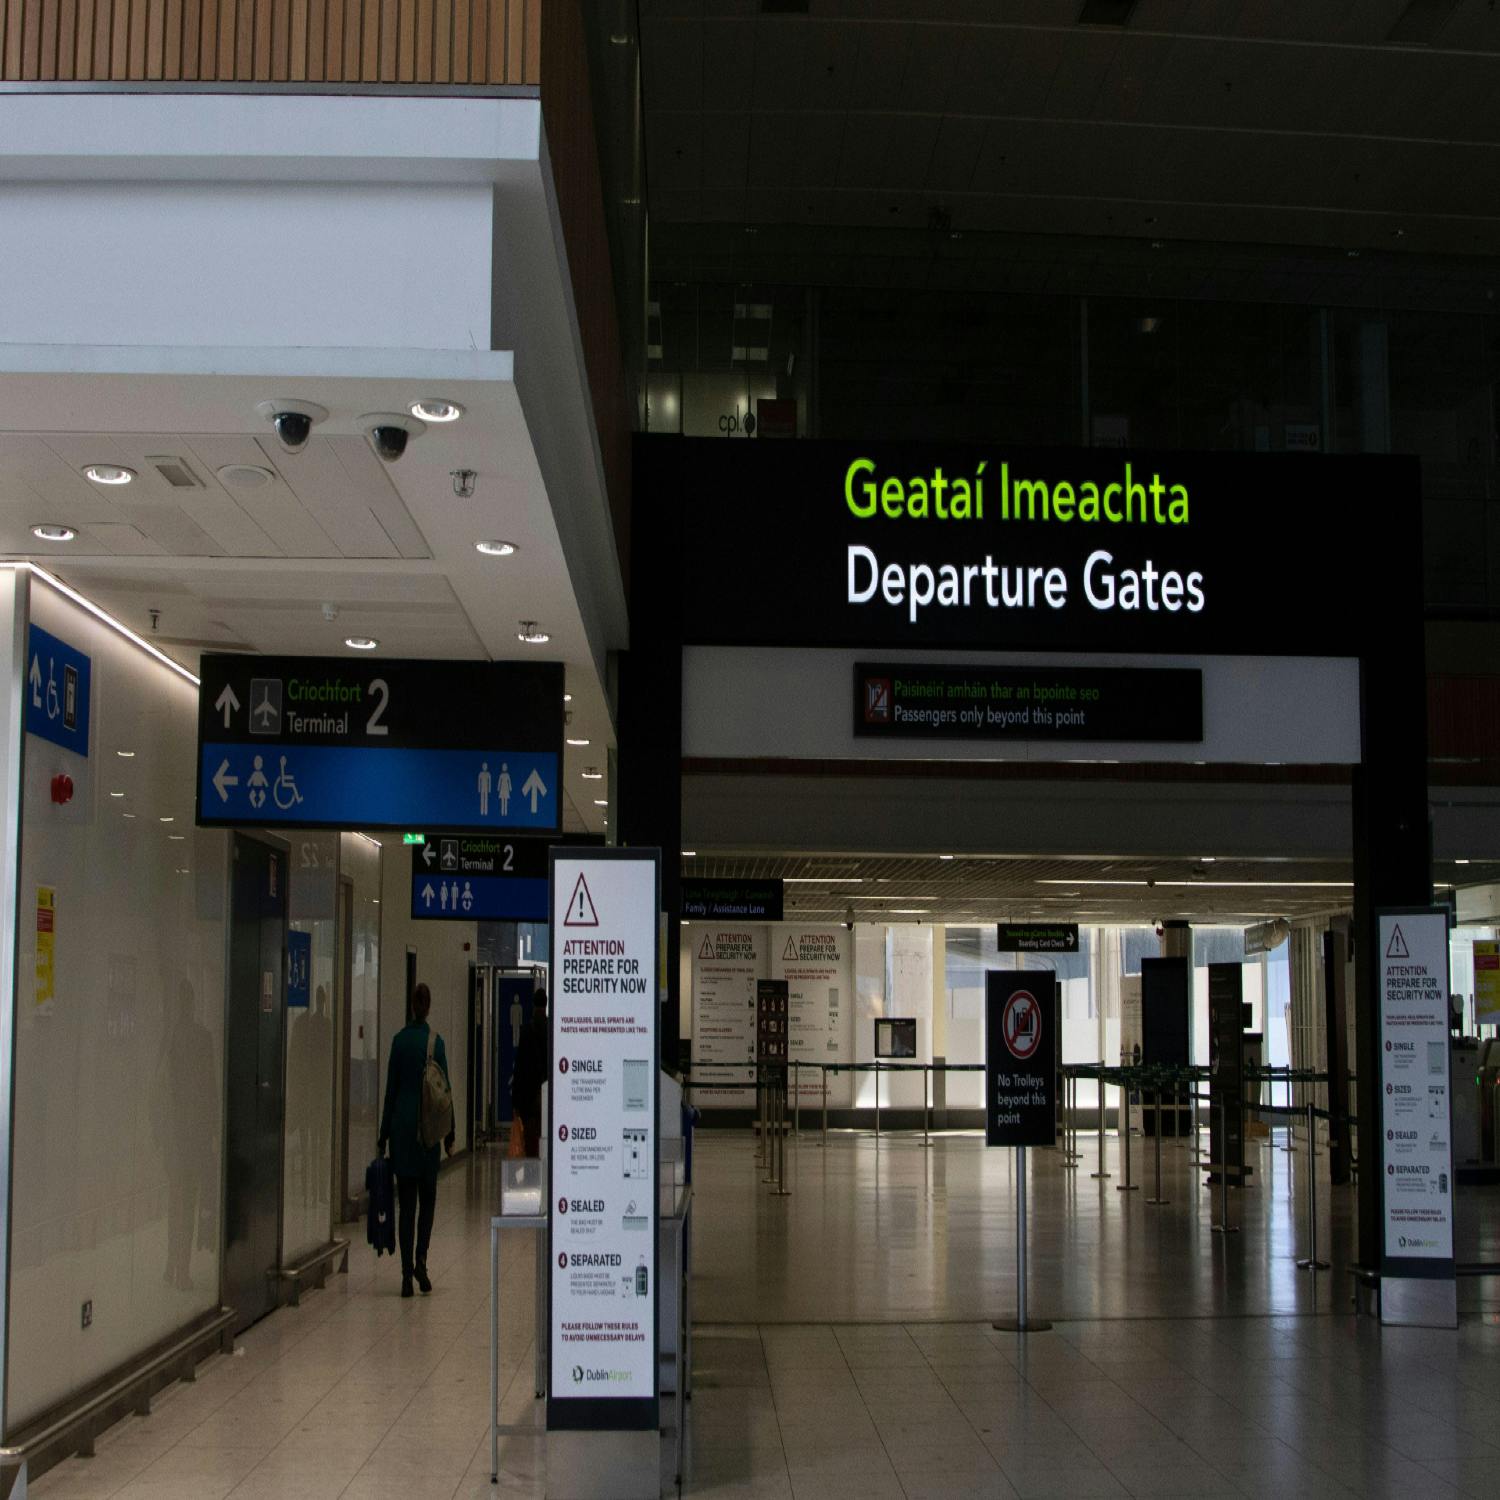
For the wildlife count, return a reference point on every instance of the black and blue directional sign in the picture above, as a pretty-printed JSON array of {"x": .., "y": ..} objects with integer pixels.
[
  {"x": 479, "y": 878},
  {"x": 320, "y": 742},
  {"x": 57, "y": 691}
]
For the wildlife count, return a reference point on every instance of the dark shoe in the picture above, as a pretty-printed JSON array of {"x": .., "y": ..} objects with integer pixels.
[
  {"x": 424, "y": 1280},
  {"x": 406, "y": 1286}
]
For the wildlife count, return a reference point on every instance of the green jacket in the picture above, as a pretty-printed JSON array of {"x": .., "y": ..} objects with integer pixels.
[{"x": 403, "y": 1093}]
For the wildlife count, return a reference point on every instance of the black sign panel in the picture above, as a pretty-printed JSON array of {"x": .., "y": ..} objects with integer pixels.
[
  {"x": 772, "y": 1019},
  {"x": 1037, "y": 937},
  {"x": 1020, "y": 1058},
  {"x": 333, "y": 743},
  {"x": 896, "y": 1036},
  {"x": 910, "y": 701},
  {"x": 734, "y": 900},
  {"x": 1226, "y": 1066},
  {"x": 905, "y": 545}
]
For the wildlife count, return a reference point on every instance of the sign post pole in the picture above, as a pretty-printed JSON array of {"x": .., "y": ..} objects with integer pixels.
[{"x": 1020, "y": 1082}]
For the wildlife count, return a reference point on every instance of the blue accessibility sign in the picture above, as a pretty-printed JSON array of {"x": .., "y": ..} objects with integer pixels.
[
  {"x": 334, "y": 786},
  {"x": 480, "y": 898},
  {"x": 57, "y": 691}
]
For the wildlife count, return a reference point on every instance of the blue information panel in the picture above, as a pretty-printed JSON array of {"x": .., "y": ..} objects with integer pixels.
[
  {"x": 480, "y": 898},
  {"x": 328, "y": 786},
  {"x": 57, "y": 691},
  {"x": 298, "y": 970}
]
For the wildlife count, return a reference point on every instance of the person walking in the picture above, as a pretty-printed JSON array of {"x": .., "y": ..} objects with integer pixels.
[
  {"x": 532, "y": 1063},
  {"x": 415, "y": 1164}
]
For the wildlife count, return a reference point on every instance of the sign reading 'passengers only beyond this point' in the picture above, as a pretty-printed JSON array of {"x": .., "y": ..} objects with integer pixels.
[
  {"x": 325, "y": 742},
  {"x": 908, "y": 700}
]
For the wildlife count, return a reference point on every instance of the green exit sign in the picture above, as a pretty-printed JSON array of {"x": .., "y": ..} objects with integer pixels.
[{"x": 413, "y": 838}]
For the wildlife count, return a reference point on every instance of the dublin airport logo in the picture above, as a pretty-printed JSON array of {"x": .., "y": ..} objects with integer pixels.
[{"x": 577, "y": 1374}]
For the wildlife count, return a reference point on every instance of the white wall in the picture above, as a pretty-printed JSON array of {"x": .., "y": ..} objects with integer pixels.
[
  {"x": 119, "y": 1078},
  {"x": 798, "y": 704},
  {"x": 307, "y": 1138},
  {"x": 444, "y": 952},
  {"x": 360, "y": 863}
]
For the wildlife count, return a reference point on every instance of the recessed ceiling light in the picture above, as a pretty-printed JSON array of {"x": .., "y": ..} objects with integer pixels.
[
  {"x": 945, "y": 856},
  {"x": 361, "y": 642},
  {"x": 47, "y": 532},
  {"x": 532, "y": 634},
  {"x": 117, "y": 794},
  {"x": 1460, "y": 861},
  {"x": 126, "y": 754},
  {"x": 127, "y": 815},
  {"x": 690, "y": 854},
  {"x": 496, "y": 548},
  {"x": 168, "y": 818},
  {"x": 435, "y": 409},
  {"x": 601, "y": 801},
  {"x": 1208, "y": 859},
  {"x": 579, "y": 743},
  {"x": 567, "y": 697},
  {"x": 246, "y": 476},
  {"x": 108, "y": 473},
  {"x": 176, "y": 838},
  {"x": 592, "y": 773}
]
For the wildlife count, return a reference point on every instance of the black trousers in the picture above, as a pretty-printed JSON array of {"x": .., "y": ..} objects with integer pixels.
[{"x": 416, "y": 1203}]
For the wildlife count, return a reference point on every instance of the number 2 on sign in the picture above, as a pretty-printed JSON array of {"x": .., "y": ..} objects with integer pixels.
[{"x": 375, "y": 726}]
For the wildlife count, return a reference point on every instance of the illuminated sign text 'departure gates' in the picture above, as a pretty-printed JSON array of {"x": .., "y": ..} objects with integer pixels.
[
  {"x": 1130, "y": 501},
  {"x": 898, "y": 545}
]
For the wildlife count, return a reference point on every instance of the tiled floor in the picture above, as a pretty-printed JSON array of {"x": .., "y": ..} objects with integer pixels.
[{"x": 818, "y": 1393}]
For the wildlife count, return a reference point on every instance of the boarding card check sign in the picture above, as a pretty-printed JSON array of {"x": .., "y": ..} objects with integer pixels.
[
  {"x": 603, "y": 1156},
  {"x": 1020, "y": 1058},
  {"x": 1414, "y": 1091},
  {"x": 324, "y": 742}
]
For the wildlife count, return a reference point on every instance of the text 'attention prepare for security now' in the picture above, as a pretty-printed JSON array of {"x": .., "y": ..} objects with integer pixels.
[{"x": 1128, "y": 502}]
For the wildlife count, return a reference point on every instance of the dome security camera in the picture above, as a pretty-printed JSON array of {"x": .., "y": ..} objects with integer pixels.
[
  {"x": 389, "y": 433},
  {"x": 292, "y": 419}
]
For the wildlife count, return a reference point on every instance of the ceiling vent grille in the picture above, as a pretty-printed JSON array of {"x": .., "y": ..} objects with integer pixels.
[
  {"x": 175, "y": 471},
  {"x": 1105, "y": 12}
]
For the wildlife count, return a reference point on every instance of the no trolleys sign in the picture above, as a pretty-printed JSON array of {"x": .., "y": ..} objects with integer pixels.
[{"x": 602, "y": 1365}]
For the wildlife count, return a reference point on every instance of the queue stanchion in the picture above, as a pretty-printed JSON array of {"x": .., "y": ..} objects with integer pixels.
[
  {"x": 824, "y": 1141},
  {"x": 1127, "y": 1186},
  {"x": 797, "y": 1101},
  {"x": 1311, "y": 1261},
  {"x": 1069, "y": 1155},
  {"x": 926, "y": 1105},
  {"x": 781, "y": 1190},
  {"x": 1101, "y": 1174},
  {"x": 877, "y": 1101},
  {"x": 1156, "y": 1197},
  {"x": 1223, "y": 1226}
]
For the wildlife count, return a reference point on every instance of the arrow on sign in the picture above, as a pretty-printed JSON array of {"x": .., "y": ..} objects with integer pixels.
[
  {"x": 36, "y": 682},
  {"x": 427, "y": 895},
  {"x": 428, "y": 851},
  {"x": 221, "y": 781},
  {"x": 227, "y": 702},
  {"x": 534, "y": 787}
]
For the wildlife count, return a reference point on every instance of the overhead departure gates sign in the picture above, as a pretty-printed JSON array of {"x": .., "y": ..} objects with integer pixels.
[
  {"x": 324, "y": 742},
  {"x": 907, "y": 700},
  {"x": 889, "y": 545}
]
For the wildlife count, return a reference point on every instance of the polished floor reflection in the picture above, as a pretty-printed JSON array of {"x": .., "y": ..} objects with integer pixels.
[{"x": 845, "y": 1349}]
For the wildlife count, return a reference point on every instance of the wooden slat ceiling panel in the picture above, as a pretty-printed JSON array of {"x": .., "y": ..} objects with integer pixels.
[{"x": 271, "y": 41}]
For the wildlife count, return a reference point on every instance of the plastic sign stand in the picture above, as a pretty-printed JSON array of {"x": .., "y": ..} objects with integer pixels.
[
  {"x": 1021, "y": 1040},
  {"x": 603, "y": 1398},
  {"x": 1415, "y": 1159}
]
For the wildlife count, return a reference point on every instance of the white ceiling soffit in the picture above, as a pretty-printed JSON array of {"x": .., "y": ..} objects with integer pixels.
[
  {"x": 1271, "y": 121},
  {"x": 225, "y": 541}
]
